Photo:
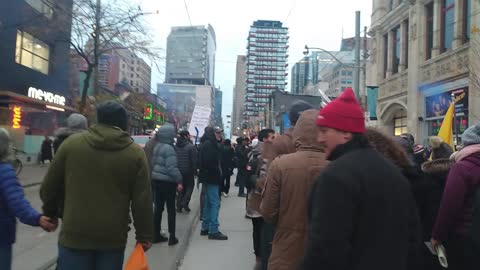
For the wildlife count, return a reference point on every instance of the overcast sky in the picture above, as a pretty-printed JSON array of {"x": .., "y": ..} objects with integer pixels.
[{"x": 314, "y": 22}]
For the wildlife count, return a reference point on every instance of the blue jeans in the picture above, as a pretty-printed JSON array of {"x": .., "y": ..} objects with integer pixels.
[
  {"x": 211, "y": 208},
  {"x": 75, "y": 259},
  {"x": 6, "y": 257}
]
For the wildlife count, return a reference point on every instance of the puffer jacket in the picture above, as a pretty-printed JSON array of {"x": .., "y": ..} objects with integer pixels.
[
  {"x": 186, "y": 156},
  {"x": 290, "y": 179},
  {"x": 13, "y": 204},
  {"x": 164, "y": 158}
]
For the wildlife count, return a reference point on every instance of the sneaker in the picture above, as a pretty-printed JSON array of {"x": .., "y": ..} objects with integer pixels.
[
  {"x": 160, "y": 239},
  {"x": 225, "y": 194},
  {"x": 172, "y": 241},
  {"x": 204, "y": 233},
  {"x": 217, "y": 236},
  {"x": 179, "y": 210},
  {"x": 187, "y": 209}
]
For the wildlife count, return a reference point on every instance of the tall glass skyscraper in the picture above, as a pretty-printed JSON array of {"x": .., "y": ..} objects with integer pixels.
[
  {"x": 267, "y": 63},
  {"x": 191, "y": 55}
]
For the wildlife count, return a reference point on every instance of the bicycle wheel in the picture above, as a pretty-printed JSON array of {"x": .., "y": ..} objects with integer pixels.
[{"x": 18, "y": 165}]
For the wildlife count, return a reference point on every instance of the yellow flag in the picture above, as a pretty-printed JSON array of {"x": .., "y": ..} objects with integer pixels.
[{"x": 446, "y": 130}]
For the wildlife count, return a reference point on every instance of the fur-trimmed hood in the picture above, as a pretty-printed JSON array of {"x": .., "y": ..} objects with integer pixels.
[
  {"x": 438, "y": 166},
  {"x": 65, "y": 132}
]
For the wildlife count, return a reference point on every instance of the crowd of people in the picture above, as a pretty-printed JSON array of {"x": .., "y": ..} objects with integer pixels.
[{"x": 329, "y": 193}]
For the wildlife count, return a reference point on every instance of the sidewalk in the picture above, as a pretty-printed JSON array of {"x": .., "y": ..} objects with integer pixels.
[
  {"x": 32, "y": 174},
  {"x": 37, "y": 250},
  {"x": 236, "y": 253}
]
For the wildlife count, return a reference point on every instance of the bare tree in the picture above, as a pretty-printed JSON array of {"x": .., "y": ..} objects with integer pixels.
[{"x": 101, "y": 27}]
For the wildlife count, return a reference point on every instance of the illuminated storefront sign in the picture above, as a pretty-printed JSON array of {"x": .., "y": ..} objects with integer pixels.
[
  {"x": 17, "y": 117},
  {"x": 148, "y": 112},
  {"x": 46, "y": 96}
]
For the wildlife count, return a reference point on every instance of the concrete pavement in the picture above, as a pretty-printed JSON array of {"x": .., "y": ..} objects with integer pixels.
[
  {"x": 235, "y": 253},
  {"x": 36, "y": 249}
]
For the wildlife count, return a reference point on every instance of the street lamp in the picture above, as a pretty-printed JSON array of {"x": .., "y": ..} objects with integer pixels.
[{"x": 357, "y": 67}]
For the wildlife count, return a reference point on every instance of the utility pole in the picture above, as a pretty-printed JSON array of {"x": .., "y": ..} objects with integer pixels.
[
  {"x": 356, "y": 75},
  {"x": 363, "y": 93}
]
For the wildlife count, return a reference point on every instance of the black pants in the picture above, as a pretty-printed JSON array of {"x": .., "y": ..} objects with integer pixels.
[
  {"x": 226, "y": 181},
  {"x": 461, "y": 253},
  {"x": 242, "y": 181},
  {"x": 185, "y": 195},
  {"x": 164, "y": 192},
  {"x": 257, "y": 235},
  {"x": 268, "y": 231}
]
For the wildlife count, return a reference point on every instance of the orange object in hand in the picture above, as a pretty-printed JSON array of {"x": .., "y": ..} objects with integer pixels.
[{"x": 137, "y": 260}]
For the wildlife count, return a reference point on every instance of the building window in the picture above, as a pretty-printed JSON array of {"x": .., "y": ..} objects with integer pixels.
[
  {"x": 385, "y": 55},
  {"x": 31, "y": 52},
  {"x": 400, "y": 123},
  {"x": 448, "y": 21},
  {"x": 429, "y": 30},
  {"x": 396, "y": 49},
  {"x": 131, "y": 83},
  {"x": 467, "y": 19},
  {"x": 406, "y": 43},
  {"x": 42, "y": 7}
]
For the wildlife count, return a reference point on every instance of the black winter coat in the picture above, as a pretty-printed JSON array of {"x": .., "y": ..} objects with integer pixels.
[
  {"x": 362, "y": 214},
  {"x": 186, "y": 156},
  {"x": 228, "y": 155},
  {"x": 209, "y": 163}
]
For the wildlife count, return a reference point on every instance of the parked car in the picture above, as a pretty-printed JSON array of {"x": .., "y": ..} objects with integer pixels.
[{"x": 141, "y": 139}]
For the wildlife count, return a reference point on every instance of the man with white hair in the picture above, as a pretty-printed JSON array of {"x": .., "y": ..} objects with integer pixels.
[{"x": 13, "y": 205}]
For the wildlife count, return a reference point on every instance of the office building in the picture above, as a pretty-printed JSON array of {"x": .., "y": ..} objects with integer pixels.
[
  {"x": 191, "y": 55},
  {"x": 239, "y": 90}
]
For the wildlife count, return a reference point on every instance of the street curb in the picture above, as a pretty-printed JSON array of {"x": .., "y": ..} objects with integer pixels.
[
  {"x": 182, "y": 250},
  {"x": 31, "y": 185},
  {"x": 48, "y": 265}
]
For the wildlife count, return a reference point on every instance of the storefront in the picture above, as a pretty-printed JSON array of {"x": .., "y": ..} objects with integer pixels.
[
  {"x": 32, "y": 116},
  {"x": 437, "y": 101}
]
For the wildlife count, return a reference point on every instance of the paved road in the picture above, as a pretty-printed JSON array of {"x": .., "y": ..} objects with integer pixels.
[{"x": 236, "y": 253}]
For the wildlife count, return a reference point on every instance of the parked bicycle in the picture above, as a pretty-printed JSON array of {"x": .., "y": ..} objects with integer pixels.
[{"x": 16, "y": 162}]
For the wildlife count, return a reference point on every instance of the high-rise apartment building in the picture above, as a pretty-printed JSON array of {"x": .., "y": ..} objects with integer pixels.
[
  {"x": 300, "y": 73},
  {"x": 267, "y": 63},
  {"x": 191, "y": 55},
  {"x": 239, "y": 94}
]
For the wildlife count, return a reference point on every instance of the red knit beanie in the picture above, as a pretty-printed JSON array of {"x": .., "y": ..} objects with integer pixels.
[{"x": 344, "y": 113}]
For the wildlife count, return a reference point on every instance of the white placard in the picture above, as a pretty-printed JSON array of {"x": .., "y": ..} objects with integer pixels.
[{"x": 200, "y": 120}]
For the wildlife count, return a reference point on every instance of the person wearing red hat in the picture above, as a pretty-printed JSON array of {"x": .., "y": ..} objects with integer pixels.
[{"x": 362, "y": 213}]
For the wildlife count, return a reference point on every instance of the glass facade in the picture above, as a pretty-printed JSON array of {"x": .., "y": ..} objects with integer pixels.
[
  {"x": 448, "y": 22},
  {"x": 467, "y": 19},
  {"x": 42, "y": 7},
  {"x": 31, "y": 52},
  {"x": 396, "y": 49},
  {"x": 400, "y": 122},
  {"x": 429, "y": 30}
]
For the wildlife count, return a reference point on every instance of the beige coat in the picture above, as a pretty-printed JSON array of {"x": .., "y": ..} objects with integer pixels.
[{"x": 289, "y": 182}]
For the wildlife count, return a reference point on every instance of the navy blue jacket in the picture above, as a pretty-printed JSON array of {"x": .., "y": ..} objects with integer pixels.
[{"x": 13, "y": 204}]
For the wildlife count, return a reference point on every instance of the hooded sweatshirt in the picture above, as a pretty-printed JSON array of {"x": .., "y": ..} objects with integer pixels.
[{"x": 101, "y": 174}]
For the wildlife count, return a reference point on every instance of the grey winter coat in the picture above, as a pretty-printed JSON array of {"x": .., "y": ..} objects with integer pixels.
[{"x": 164, "y": 158}]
